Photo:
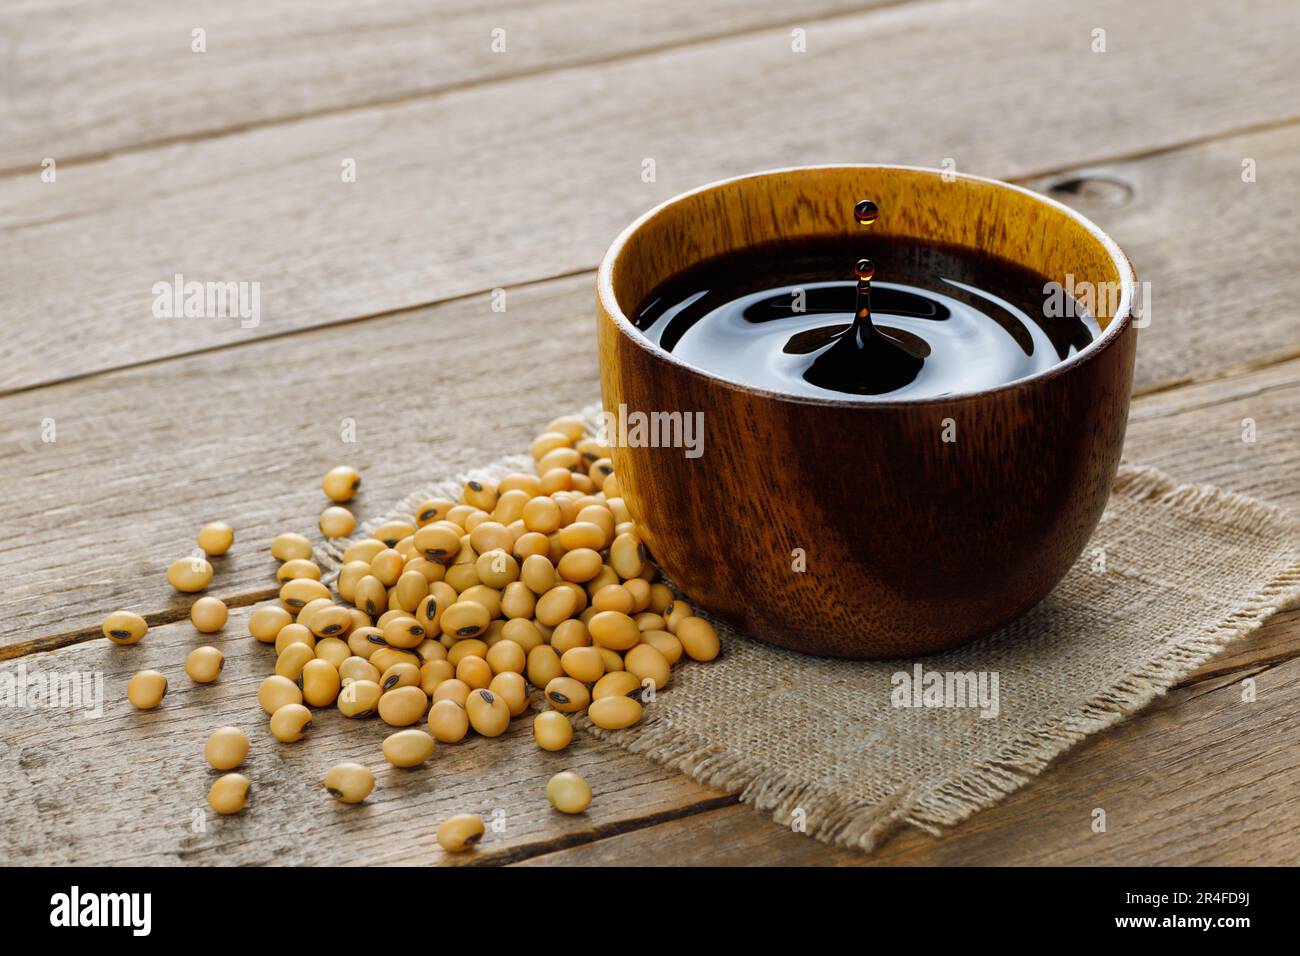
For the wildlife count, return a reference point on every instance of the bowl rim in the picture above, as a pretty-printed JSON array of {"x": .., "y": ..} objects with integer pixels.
[{"x": 1119, "y": 323}]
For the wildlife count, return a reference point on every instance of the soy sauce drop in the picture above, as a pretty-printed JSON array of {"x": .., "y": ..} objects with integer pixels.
[{"x": 861, "y": 359}]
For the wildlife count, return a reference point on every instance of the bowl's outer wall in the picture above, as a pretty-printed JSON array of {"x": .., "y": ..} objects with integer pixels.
[{"x": 910, "y": 543}]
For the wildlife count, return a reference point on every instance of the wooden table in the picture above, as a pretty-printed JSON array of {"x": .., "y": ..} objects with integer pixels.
[{"x": 478, "y": 170}]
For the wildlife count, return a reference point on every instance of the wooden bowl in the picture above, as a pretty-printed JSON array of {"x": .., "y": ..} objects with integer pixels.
[{"x": 912, "y": 544}]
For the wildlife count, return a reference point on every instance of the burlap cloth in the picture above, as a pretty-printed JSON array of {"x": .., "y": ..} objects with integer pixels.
[{"x": 1173, "y": 574}]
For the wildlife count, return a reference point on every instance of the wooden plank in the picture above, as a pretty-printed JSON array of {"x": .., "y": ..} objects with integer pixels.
[
  {"x": 497, "y": 185},
  {"x": 88, "y": 78},
  {"x": 1204, "y": 433},
  {"x": 143, "y": 458},
  {"x": 131, "y": 786},
  {"x": 1222, "y": 297},
  {"x": 1199, "y": 778}
]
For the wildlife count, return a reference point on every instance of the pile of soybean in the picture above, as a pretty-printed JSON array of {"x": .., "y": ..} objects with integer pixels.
[{"x": 536, "y": 580}]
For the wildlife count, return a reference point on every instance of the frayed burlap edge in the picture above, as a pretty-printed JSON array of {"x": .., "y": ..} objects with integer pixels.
[{"x": 834, "y": 820}]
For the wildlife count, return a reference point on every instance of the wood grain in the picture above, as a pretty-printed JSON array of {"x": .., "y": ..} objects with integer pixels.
[
  {"x": 131, "y": 786},
  {"x": 143, "y": 458},
  {"x": 87, "y": 79},
  {"x": 1202, "y": 433},
  {"x": 1199, "y": 778},
  {"x": 447, "y": 203}
]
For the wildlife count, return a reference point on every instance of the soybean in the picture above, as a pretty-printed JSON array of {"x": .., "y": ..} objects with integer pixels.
[
  {"x": 229, "y": 794},
  {"x": 320, "y": 683},
  {"x": 370, "y": 595},
  {"x": 505, "y": 655},
  {"x": 567, "y": 695},
  {"x": 568, "y": 792},
  {"x": 617, "y": 684},
  {"x": 614, "y": 713},
  {"x": 583, "y": 664},
  {"x": 411, "y": 588},
  {"x": 294, "y": 634},
  {"x": 615, "y": 630},
  {"x": 385, "y": 657},
  {"x": 329, "y": 621},
  {"x": 465, "y": 619},
  {"x": 298, "y": 568},
  {"x": 433, "y": 673},
  {"x": 403, "y": 632},
  {"x": 488, "y": 714},
  {"x": 408, "y": 748},
  {"x": 543, "y": 665},
  {"x": 267, "y": 621},
  {"x": 489, "y": 597},
  {"x": 387, "y": 566},
  {"x": 474, "y": 671},
  {"x": 613, "y": 597},
  {"x": 448, "y": 721},
  {"x": 435, "y": 509},
  {"x": 146, "y": 689},
  {"x": 276, "y": 692},
  {"x": 647, "y": 663},
  {"x": 288, "y": 546},
  {"x": 402, "y": 706},
  {"x": 627, "y": 555},
  {"x": 360, "y": 698},
  {"x": 204, "y": 664},
  {"x": 337, "y": 522},
  {"x": 189, "y": 574},
  {"x": 552, "y": 730},
  {"x": 226, "y": 748},
  {"x": 333, "y": 650},
  {"x": 496, "y": 568},
  {"x": 556, "y": 605},
  {"x": 299, "y": 592},
  {"x": 405, "y": 674},
  {"x": 392, "y": 532},
  {"x": 675, "y": 613},
  {"x": 358, "y": 668},
  {"x": 513, "y": 689},
  {"x": 208, "y": 615},
  {"x": 124, "y": 627},
  {"x": 580, "y": 565},
  {"x": 289, "y": 722},
  {"x": 459, "y": 833},
  {"x": 341, "y": 483},
  {"x": 666, "y": 644},
  {"x": 453, "y": 689},
  {"x": 216, "y": 538},
  {"x": 363, "y": 550},
  {"x": 698, "y": 638},
  {"x": 349, "y": 782},
  {"x": 292, "y": 660},
  {"x": 522, "y": 632},
  {"x": 437, "y": 542}
]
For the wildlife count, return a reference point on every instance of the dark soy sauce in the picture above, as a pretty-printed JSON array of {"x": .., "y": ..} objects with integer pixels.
[{"x": 783, "y": 317}]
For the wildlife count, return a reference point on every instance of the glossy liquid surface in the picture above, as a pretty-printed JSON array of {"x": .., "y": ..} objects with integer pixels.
[{"x": 785, "y": 317}]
